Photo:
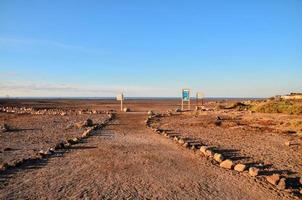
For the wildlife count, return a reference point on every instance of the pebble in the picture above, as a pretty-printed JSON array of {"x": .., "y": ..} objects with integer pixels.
[
  {"x": 273, "y": 179},
  {"x": 253, "y": 171},
  {"x": 240, "y": 167},
  {"x": 227, "y": 164},
  {"x": 218, "y": 157}
]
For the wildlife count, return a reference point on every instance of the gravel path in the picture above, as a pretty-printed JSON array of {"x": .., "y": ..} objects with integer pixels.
[{"x": 127, "y": 161}]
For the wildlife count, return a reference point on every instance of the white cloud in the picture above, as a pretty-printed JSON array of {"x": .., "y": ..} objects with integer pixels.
[
  {"x": 46, "y": 43},
  {"x": 65, "y": 90}
]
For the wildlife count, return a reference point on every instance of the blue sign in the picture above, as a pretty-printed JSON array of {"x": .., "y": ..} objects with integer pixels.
[{"x": 186, "y": 95}]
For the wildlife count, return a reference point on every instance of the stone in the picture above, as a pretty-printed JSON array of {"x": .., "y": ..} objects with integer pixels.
[
  {"x": 218, "y": 157},
  {"x": 126, "y": 109},
  {"x": 288, "y": 143},
  {"x": 209, "y": 153},
  {"x": 181, "y": 141},
  {"x": 150, "y": 112},
  {"x": 177, "y": 110},
  {"x": 59, "y": 146},
  {"x": 253, "y": 171},
  {"x": 4, "y": 128},
  {"x": 273, "y": 179},
  {"x": 240, "y": 167},
  {"x": 86, "y": 133},
  {"x": 3, "y": 166},
  {"x": 89, "y": 122},
  {"x": 301, "y": 180},
  {"x": 52, "y": 150},
  {"x": 186, "y": 145},
  {"x": 227, "y": 164},
  {"x": 282, "y": 184},
  {"x": 203, "y": 149},
  {"x": 76, "y": 140},
  {"x": 63, "y": 114},
  {"x": 301, "y": 191}
]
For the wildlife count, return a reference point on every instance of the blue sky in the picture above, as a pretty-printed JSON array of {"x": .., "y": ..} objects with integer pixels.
[{"x": 250, "y": 48}]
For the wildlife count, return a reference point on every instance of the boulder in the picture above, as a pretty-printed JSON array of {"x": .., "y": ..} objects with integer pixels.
[
  {"x": 218, "y": 157},
  {"x": 253, "y": 171},
  {"x": 240, "y": 167},
  {"x": 227, "y": 164},
  {"x": 282, "y": 184},
  {"x": 126, "y": 109},
  {"x": 273, "y": 179}
]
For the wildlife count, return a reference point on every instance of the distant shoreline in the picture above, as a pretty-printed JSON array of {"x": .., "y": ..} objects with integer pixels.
[{"x": 128, "y": 98}]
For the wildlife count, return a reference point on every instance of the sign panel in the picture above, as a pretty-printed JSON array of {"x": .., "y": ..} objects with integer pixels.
[
  {"x": 186, "y": 95},
  {"x": 199, "y": 95},
  {"x": 120, "y": 97}
]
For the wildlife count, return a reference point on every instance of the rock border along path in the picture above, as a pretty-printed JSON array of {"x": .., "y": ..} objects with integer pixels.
[
  {"x": 59, "y": 148},
  {"x": 280, "y": 183}
]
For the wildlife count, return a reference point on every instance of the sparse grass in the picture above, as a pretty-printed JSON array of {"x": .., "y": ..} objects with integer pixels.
[
  {"x": 274, "y": 106},
  {"x": 238, "y": 106}
]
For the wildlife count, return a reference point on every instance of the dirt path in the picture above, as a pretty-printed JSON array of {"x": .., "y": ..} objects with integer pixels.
[{"x": 127, "y": 161}]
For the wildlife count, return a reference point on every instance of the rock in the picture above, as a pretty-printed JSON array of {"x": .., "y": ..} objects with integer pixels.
[
  {"x": 126, "y": 109},
  {"x": 181, "y": 141},
  {"x": 175, "y": 138},
  {"x": 186, "y": 145},
  {"x": 3, "y": 166},
  {"x": 86, "y": 133},
  {"x": 44, "y": 153},
  {"x": 240, "y": 167},
  {"x": 301, "y": 180},
  {"x": 218, "y": 122},
  {"x": 209, "y": 153},
  {"x": 282, "y": 184},
  {"x": 203, "y": 149},
  {"x": 253, "y": 171},
  {"x": 150, "y": 112},
  {"x": 288, "y": 143},
  {"x": 227, "y": 164},
  {"x": 273, "y": 179},
  {"x": 63, "y": 114},
  {"x": 218, "y": 157},
  {"x": 177, "y": 110},
  {"x": 76, "y": 140},
  {"x": 52, "y": 150},
  {"x": 301, "y": 191},
  {"x": 89, "y": 122},
  {"x": 59, "y": 146},
  {"x": 5, "y": 128}
]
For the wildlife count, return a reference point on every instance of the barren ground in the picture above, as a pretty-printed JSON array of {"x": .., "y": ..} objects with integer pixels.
[{"x": 126, "y": 160}]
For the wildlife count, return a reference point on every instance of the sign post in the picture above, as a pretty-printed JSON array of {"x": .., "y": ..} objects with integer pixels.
[
  {"x": 199, "y": 95},
  {"x": 185, "y": 98},
  {"x": 120, "y": 97}
]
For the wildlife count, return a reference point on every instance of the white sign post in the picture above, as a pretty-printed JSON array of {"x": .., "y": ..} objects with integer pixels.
[
  {"x": 199, "y": 95},
  {"x": 185, "y": 98},
  {"x": 120, "y": 97}
]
